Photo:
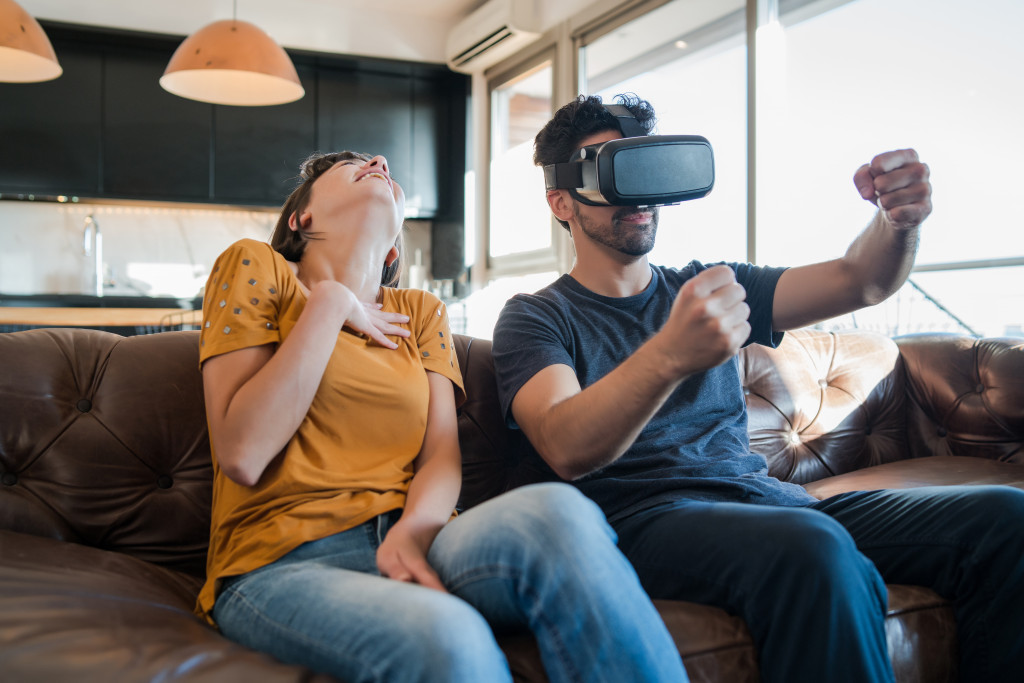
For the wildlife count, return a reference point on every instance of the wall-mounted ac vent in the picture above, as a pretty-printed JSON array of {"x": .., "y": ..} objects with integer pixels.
[{"x": 494, "y": 31}]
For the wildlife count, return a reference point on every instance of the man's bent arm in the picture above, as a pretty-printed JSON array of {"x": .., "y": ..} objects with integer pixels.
[{"x": 578, "y": 431}]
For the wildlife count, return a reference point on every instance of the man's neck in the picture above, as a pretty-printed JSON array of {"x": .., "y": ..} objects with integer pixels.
[{"x": 604, "y": 274}]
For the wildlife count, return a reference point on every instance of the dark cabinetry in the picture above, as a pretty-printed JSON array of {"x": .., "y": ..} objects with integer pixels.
[
  {"x": 106, "y": 129},
  {"x": 257, "y": 150},
  {"x": 155, "y": 145},
  {"x": 50, "y": 139},
  {"x": 369, "y": 112}
]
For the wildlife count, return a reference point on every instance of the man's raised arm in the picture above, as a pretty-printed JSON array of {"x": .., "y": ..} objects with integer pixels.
[{"x": 878, "y": 262}]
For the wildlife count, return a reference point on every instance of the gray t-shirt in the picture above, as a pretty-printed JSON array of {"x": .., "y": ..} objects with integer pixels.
[{"x": 696, "y": 446}]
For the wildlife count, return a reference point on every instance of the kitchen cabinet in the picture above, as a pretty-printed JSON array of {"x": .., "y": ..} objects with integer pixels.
[
  {"x": 105, "y": 129},
  {"x": 50, "y": 132},
  {"x": 367, "y": 112},
  {"x": 257, "y": 150},
  {"x": 155, "y": 145}
]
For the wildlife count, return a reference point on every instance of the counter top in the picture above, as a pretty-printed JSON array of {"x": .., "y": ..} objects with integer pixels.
[
  {"x": 92, "y": 301},
  {"x": 97, "y": 317}
]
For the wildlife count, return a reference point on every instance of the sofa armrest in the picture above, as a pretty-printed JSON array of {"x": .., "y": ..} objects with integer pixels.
[{"x": 965, "y": 396}]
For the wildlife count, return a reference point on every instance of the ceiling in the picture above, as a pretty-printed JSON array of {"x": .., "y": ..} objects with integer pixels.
[{"x": 400, "y": 29}]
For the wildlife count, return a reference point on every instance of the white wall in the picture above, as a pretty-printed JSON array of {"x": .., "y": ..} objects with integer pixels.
[
  {"x": 151, "y": 250},
  {"x": 148, "y": 250},
  {"x": 413, "y": 30}
]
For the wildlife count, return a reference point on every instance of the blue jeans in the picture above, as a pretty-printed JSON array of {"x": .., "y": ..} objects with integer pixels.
[
  {"x": 539, "y": 558},
  {"x": 810, "y": 582}
]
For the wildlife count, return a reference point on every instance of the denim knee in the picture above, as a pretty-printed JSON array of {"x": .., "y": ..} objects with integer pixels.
[
  {"x": 997, "y": 506},
  {"x": 445, "y": 636},
  {"x": 820, "y": 554},
  {"x": 562, "y": 511}
]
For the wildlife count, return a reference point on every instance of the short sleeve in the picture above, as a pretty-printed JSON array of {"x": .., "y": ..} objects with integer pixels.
[
  {"x": 528, "y": 337},
  {"x": 435, "y": 344},
  {"x": 241, "y": 302},
  {"x": 760, "y": 282}
]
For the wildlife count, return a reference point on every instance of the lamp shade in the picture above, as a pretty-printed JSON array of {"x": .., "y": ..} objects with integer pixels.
[
  {"x": 232, "y": 62},
  {"x": 26, "y": 55}
]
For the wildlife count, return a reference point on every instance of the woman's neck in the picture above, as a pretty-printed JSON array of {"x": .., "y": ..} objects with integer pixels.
[{"x": 350, "y": 266}]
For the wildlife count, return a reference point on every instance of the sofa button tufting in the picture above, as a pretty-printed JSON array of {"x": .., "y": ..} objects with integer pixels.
[
  {"x": 9, "y": 478},
  {"x": 942, "y": 431},
  {"x": 980, "y": 388},
  {"x": 867, "y": 430},
  {"x": 164, "y": 482},
  {"x": 84, "y": 405}
]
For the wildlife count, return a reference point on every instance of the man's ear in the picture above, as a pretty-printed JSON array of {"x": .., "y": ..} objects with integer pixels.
[
  {"x": 560, "y": 204},
  {"x": 390, "y": 258},
  {"x": 295, "y": 221}
]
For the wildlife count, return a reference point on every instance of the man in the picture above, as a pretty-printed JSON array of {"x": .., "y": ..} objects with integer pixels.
[{"x": 623, "y": 376}]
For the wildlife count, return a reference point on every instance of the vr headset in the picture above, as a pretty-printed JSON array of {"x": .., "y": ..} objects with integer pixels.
[{"x": 637, "y": 170}]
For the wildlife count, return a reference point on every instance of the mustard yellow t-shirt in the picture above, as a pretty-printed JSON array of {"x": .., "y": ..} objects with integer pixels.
[{"x": 351, "y": 458}]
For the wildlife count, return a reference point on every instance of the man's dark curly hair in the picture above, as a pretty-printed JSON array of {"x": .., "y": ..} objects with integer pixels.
[{"x": 580, "y": 119}]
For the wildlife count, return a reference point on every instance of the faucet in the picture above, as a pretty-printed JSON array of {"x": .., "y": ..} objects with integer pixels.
[{"x": 92, "y": 245}]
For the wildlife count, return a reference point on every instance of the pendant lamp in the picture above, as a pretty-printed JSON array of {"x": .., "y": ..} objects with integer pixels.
[
  {"x": 232, "y": 62},
  {"x": 26, "y": 55}
]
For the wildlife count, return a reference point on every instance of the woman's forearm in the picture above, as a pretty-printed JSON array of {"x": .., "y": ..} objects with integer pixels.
[{"x": 273, "y": 389}]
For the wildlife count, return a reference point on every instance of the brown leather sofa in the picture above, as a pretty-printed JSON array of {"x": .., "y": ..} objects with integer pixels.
[{"x": 105, "y": 490}]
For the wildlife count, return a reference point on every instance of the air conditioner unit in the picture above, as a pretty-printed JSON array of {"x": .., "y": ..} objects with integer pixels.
[{"x": 495, "y": 30}]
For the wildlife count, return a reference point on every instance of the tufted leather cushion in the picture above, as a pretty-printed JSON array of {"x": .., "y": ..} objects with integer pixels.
[
  {"x": 823, "y": 404},
  {"x": 966, "y": 396},
  {"x": 495, "y": 458},
  {"x": 103, "y": 442}
]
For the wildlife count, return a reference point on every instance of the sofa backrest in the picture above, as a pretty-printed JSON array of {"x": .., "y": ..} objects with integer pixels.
[
  {"x": 823, "y": 403},
  {"x": 820, "y": 404},
  {"x": 103, "y": 438},
  {"x": 103, "y": 442},
  {"x": 965, "y": 396}
]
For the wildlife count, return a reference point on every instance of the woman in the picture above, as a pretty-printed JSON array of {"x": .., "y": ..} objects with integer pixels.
[{"x": 330, "y": 398}]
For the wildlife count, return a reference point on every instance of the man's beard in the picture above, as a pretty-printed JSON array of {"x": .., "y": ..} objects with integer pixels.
[{"x": 626, "y": 239}]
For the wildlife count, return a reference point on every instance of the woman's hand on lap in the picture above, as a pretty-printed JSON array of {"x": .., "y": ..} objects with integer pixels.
[{"x": 403, "y": 557}]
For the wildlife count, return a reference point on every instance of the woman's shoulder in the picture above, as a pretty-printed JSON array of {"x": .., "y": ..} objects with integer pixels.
[
  {"x": 250, "y": 248},
  {"x": 252, "y": 255},
  {"x": 411, "y": 300}
]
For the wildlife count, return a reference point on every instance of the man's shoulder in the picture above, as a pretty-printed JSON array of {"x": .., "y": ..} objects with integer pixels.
[
  {"x": 552, "y": 295},
  {"x": 676, "y": 275},
  {"x": 683, "y": 273}
]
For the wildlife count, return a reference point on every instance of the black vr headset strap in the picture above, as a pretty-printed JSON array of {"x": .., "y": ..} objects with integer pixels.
[
  {"x": 570, "y": 175},
  {"x": 566, "y": 175},
  {"x": 628, "y": 125}
]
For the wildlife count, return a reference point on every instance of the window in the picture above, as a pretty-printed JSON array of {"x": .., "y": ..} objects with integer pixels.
[
  {"x": 689, "y": 60},
  {"x": 520, "y": 221},
  {"x": 837, "y": 81},
  {"x": 522, "y": 245},
  {"x": 872, "y": 75}
]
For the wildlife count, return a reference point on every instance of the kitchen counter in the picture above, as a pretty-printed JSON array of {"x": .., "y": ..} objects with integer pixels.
[
  {"x": 93, "y": 301},
  {"x": 97, "y": 317},
  {"x": 117, "y": 313}
]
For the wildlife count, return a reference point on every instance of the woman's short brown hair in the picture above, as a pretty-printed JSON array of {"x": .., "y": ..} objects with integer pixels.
[{"x": 292, "y": 243}]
